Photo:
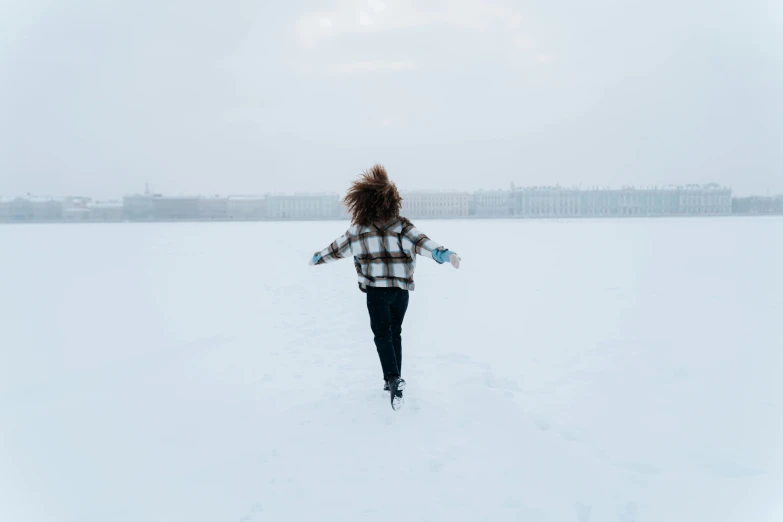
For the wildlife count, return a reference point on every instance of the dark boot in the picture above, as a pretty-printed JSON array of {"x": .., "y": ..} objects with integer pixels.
[
  {"x": 396, "y": 386},
  {"x": 386, "y": 385}
]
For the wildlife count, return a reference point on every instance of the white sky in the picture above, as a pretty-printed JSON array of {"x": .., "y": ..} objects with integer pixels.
[{"x": 244, "y": 96}]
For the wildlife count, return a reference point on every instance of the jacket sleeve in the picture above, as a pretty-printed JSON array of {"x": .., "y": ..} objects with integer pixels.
[
  {"x": 339, "y": 249},
  {"x": 419, "y": 243}
]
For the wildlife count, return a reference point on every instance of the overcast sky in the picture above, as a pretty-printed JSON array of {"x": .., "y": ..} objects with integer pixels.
[{"x": 250, "y": 96}]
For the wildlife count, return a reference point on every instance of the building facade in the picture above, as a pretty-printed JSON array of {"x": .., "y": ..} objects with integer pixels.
[
  {"x": 31, "y": 209},
  {"x": 557, "y": 202},
  {"x": 531, "y": 202},
  {"x": 5, "y": 210},
  {"x": 213, "y": 208},
  {"x": 705, "y": 200},
  {"x": 76, "y": 215},
  {"x": 537, "y": 202},
  {"x": 247, "y": 208},
  {"x": 303, "y": 206},
  {"x": 492, "y": 204},
  {"x": 45, "y": 209},
  {"x": 175, "y": 208},
  {"x": 758, "y": 205},
  {"x": 18, "y": 210},
  {"x": 138, "y": 207},
  {"x": 109, "y": 211},
  {"x": 435, "y": 204}
]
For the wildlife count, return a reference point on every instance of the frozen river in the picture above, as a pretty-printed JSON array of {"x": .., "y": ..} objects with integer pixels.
[{"x": 570, "y": 371}]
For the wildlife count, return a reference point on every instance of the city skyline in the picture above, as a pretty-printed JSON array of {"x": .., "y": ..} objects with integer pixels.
[
  {"x": 149, "y": 189},
  {"x": 515, "y": 202}
]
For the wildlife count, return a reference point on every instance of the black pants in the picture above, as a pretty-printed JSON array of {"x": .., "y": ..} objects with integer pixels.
[{"x": 387, "y": 308}]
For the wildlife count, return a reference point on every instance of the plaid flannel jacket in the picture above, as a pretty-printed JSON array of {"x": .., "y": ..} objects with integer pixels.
[{"x": 383, "y": 256}]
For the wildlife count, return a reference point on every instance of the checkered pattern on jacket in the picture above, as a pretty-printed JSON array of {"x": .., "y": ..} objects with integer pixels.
[{"x": 384, "y": 256}]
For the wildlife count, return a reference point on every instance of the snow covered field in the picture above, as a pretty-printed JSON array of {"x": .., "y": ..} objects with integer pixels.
[{"x": 570, "y": 371}]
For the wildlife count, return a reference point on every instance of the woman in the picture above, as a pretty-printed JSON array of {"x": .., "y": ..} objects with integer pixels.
[{"x": 384, "y": 247}]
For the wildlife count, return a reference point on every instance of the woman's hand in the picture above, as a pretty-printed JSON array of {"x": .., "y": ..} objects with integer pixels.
[{"x": 454, "y": 259}]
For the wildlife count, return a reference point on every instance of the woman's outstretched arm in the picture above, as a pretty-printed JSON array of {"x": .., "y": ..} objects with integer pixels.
[
  {"x": 421, "y": 244},
  {"x": 339, "y": 249}
]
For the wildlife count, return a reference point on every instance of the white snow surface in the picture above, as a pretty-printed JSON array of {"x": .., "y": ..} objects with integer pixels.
[{"x": 570, "y": 371}]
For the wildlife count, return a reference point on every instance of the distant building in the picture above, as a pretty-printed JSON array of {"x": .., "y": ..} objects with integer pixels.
[
  {"x": 175, "y": 208},
  {"x": 303, "y": 206},
  {"x": 629, "y": 202},
  {"x": 45, "y": 209},
  {"x": 435, "y": 204},
  {"x": 75, "y": 209},
  {"x": 30, "y": 209},
  {"x": 529, "y": 202},
  {"x": 105, "y": 211},
  {"x": 5, "y": 210},
  {"x": 600, "y": 202},
  {"x": 538, "y": 202},
  {"x": 213, "y": 208},
  {"x": 75, "y": 202},
  {"x": 705, "y": 200},
  {"x": 16, "y": 210},
  {"x": 76, "y": 215},
  {"x": 344, "y": 213},
  {"x": 138, "y": 207},
  {"x": 760, "y": 205},
  {"x": 492, "y": 204},
  {"x": 561, "y": 202},
  {"x": 246, "y": 208}
]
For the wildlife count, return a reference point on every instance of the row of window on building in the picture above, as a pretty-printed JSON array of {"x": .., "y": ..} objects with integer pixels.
[
  {"x": 236, "y": 208},
  {"x": 153, "y": 207},
  {"x": 517, "y": 202},
  {"x": 559, "y": 202},
  {"x": 757, "y": 205}
]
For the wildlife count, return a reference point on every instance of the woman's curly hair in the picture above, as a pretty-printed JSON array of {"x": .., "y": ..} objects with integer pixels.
[{"x": 373, "y": 198}]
